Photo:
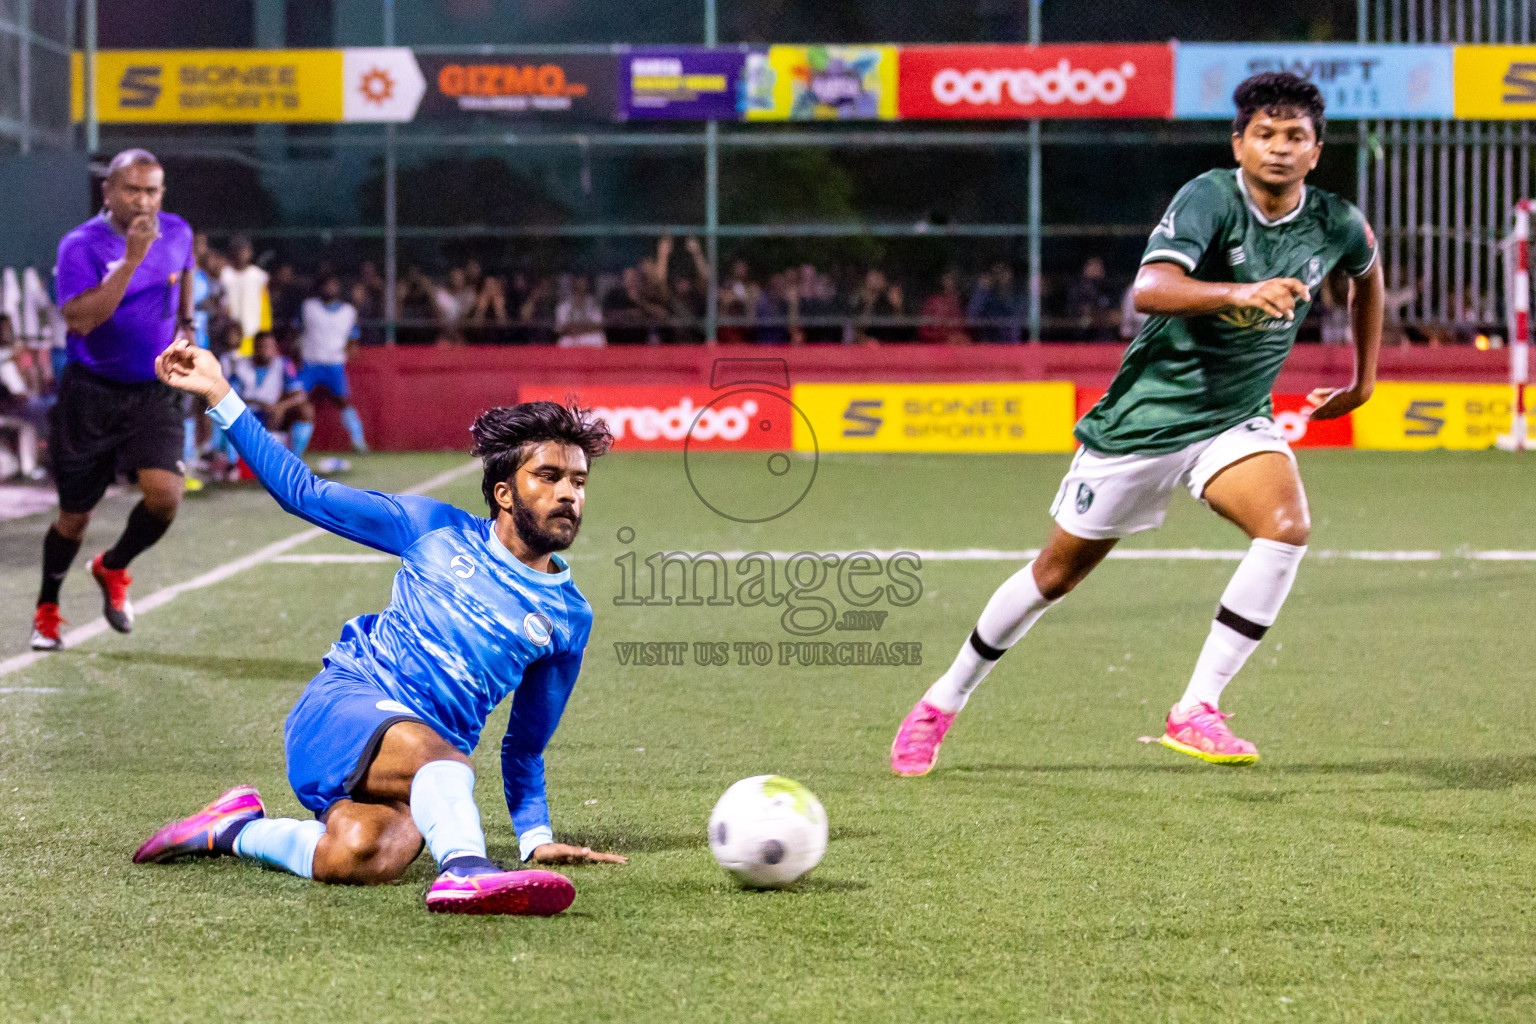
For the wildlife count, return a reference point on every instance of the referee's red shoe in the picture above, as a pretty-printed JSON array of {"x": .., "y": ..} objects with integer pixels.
[
  {"x": 45, "y": 628},
  {"x": 115, "y": 605}
]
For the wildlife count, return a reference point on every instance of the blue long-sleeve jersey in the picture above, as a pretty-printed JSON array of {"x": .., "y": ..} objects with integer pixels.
[{"x": 466, "y": 625}]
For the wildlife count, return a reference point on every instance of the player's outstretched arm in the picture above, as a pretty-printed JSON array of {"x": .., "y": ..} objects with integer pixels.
[
  {"x": 387, "y": 522},
  {"x": 1166, "y": 289},
  {"x": 537, "y": 704},
  {"x": 1366, "y": 313}
]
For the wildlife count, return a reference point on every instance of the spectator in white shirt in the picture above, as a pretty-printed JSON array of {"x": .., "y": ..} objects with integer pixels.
[
  {"x": 579, "y": 319},
  {"x": 245, "y": 291},
  {"x": 328, "y": 332}
]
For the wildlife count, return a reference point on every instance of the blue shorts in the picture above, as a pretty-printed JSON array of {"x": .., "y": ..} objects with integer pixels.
[
  {"x": 334, "y": 731},
  {"x": 331, "y": 376}
]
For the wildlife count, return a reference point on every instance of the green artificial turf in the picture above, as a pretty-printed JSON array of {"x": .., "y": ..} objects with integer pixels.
[{"x": 1375, "y": 866}]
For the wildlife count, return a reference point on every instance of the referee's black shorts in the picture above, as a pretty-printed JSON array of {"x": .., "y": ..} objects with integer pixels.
[{"x": 102, "y": 427}]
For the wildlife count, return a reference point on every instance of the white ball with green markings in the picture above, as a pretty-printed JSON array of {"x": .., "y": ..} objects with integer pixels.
[{"x": 768, "y": 831}]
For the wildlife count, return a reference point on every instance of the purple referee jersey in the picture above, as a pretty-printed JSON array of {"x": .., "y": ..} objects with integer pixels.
[{"x": 144, "y": 323}]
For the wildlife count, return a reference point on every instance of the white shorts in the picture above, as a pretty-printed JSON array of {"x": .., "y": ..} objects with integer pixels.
[{"x": 1104, "y": 496}]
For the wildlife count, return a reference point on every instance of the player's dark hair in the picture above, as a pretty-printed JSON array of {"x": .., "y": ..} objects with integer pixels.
[
  {"x": 1278, "y": 94},
  {"x": 506, "y": 436}
]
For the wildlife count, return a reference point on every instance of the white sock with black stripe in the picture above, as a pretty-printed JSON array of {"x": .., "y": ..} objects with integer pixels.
[
  {"x": 1249, "y": 606},
  {"x": 1014, "y": 607}
]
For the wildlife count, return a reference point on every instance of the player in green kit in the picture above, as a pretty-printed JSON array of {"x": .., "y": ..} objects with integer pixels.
[{"x": 1227, "y": 277}]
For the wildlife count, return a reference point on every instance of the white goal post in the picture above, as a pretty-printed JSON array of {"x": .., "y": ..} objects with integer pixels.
[{"x": 1518, "y": 254}]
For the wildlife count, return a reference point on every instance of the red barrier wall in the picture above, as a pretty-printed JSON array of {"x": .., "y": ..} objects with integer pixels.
[{"x": 423, "y": 398}]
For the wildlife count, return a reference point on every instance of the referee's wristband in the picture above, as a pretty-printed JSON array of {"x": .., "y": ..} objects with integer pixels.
[{"x": 228, "y": 410}]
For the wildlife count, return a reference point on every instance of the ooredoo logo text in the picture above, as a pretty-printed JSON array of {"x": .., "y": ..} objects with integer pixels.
[
  {"x": 1060, "y": 84},
  {"x": 1035, "y": 81}
]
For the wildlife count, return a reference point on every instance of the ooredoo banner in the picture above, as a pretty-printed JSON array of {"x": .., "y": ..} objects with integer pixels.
[
  {"x": 1035, "y": 81},
  {"x": 1300, "y": 432},
  {"x": 1356, "y": 81},
  {"x": 535, "y": 86},
  {"x": 659, "y": 418}
]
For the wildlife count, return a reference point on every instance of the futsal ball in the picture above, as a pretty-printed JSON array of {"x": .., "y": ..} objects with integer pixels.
[{"x": 768, "y": 831}]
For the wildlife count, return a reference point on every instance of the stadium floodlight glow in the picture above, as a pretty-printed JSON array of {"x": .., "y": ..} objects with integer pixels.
[{"x": 1519, "y": 439}]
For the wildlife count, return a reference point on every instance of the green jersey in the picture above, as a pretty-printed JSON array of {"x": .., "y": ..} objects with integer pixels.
[{"x": 1185, "y": 379}]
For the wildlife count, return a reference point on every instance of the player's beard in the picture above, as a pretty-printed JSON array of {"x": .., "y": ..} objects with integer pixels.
[{"x": 533, "y": 531}]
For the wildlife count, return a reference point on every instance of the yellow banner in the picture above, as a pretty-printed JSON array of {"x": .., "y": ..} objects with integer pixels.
[
  {"x": 821, "y": 83},
  {"x": 1414, "y": 417},
  {"x": 1496, "y": 82},
  {"x": 167, "y": 86},
  {"x": 1004, "y": 417}
]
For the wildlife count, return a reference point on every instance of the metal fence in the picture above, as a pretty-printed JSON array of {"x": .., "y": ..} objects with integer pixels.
[
  {"x": 1441, "y": 194},
  {"x": 1438, "y": 192}
]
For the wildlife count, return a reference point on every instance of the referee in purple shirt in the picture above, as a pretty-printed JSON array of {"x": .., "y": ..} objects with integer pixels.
[{"x": 124, "y": 282}]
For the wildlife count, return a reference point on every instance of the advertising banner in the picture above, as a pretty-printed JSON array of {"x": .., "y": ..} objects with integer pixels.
[
  {"x": 660, "y": 418},
  {"x": 1496, "y": 82},
  {"x": 1413, "y": 417},
  {"x": 1036, "y": 81},
  {"x": 380, "y": 83},
  {"x": 681, "y": 83},
  {"x": 1300, "y": 432},
  {"x": 167, "y": 86},
  {"x": 815, "y": 83},
  {"x": 1357, "y": 81},
  {"x": 1003, "y": 417},
  {"x": 528, "y": 86}
]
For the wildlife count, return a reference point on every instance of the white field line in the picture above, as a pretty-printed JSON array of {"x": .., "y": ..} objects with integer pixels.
[
  {"x": 333, "y": 559},
  {"x": 165, "y": 595},
  {"x": 993, "y": 555},
  {"x": 1160, "y": 554}
]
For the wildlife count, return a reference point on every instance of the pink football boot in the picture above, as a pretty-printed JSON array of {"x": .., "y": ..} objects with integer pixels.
[
  {"x": 540, "y": 893},
  {"x": 195, "y": 836},
  {"x": 1203, "y": 733},
  {"x": 916, "y": 747}
]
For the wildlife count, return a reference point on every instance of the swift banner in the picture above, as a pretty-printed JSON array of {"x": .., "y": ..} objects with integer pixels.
[
  {"x": 1410, "y": 416},
  {"x": 1496, "y": 82},
  {"x": 815, "y": 83},
  {"x": 682, "y": 83},
  {"x": 1035, "y": 81},
  {"x": 239, "y": 86},
  {"x": 1356, "y": 81},
  {"x": 1024, "y": 417},
  {"x": 526, "y": 86}
]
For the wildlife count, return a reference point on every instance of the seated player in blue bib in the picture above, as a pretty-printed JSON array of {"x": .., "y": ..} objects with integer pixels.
[{"x": 378, "y": 745}]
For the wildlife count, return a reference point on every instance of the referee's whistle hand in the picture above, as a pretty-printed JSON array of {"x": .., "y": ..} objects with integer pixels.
[
  {"x": 185, "y": 366},
  {"x": 142, "y": 232}
]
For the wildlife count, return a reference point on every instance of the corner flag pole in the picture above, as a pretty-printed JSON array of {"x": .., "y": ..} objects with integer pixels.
[{"x": 1518, "y": 438}]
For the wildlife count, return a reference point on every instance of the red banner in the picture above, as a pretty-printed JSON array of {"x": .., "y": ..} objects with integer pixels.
[
  {"x": 1035, "y": 81},
  {"x": 658, "y": 418},
  {"x": 1300, "y": 432}
]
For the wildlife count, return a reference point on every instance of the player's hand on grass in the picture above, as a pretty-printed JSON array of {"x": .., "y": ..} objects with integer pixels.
[
  {"x": 1276, "y": 297},
  {"x": 561, "y": 853},
  {"x": 188, "y": 368},
  {"x": 1331, "y": 403},
  {"x": 142, "y": 232}
]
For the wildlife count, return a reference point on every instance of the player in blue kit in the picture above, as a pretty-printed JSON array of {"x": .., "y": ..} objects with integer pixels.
[{"x": 378, "y": 744}]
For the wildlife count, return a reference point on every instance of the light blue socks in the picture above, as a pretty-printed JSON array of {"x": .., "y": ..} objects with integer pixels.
[
  {"x": 299, "y": 436},
  {"x": 443, "y": 807},
  {"x": 189, "y": 442},
  {"x": 354, "y": 425},
  {"x": 286, "y": 844}
]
